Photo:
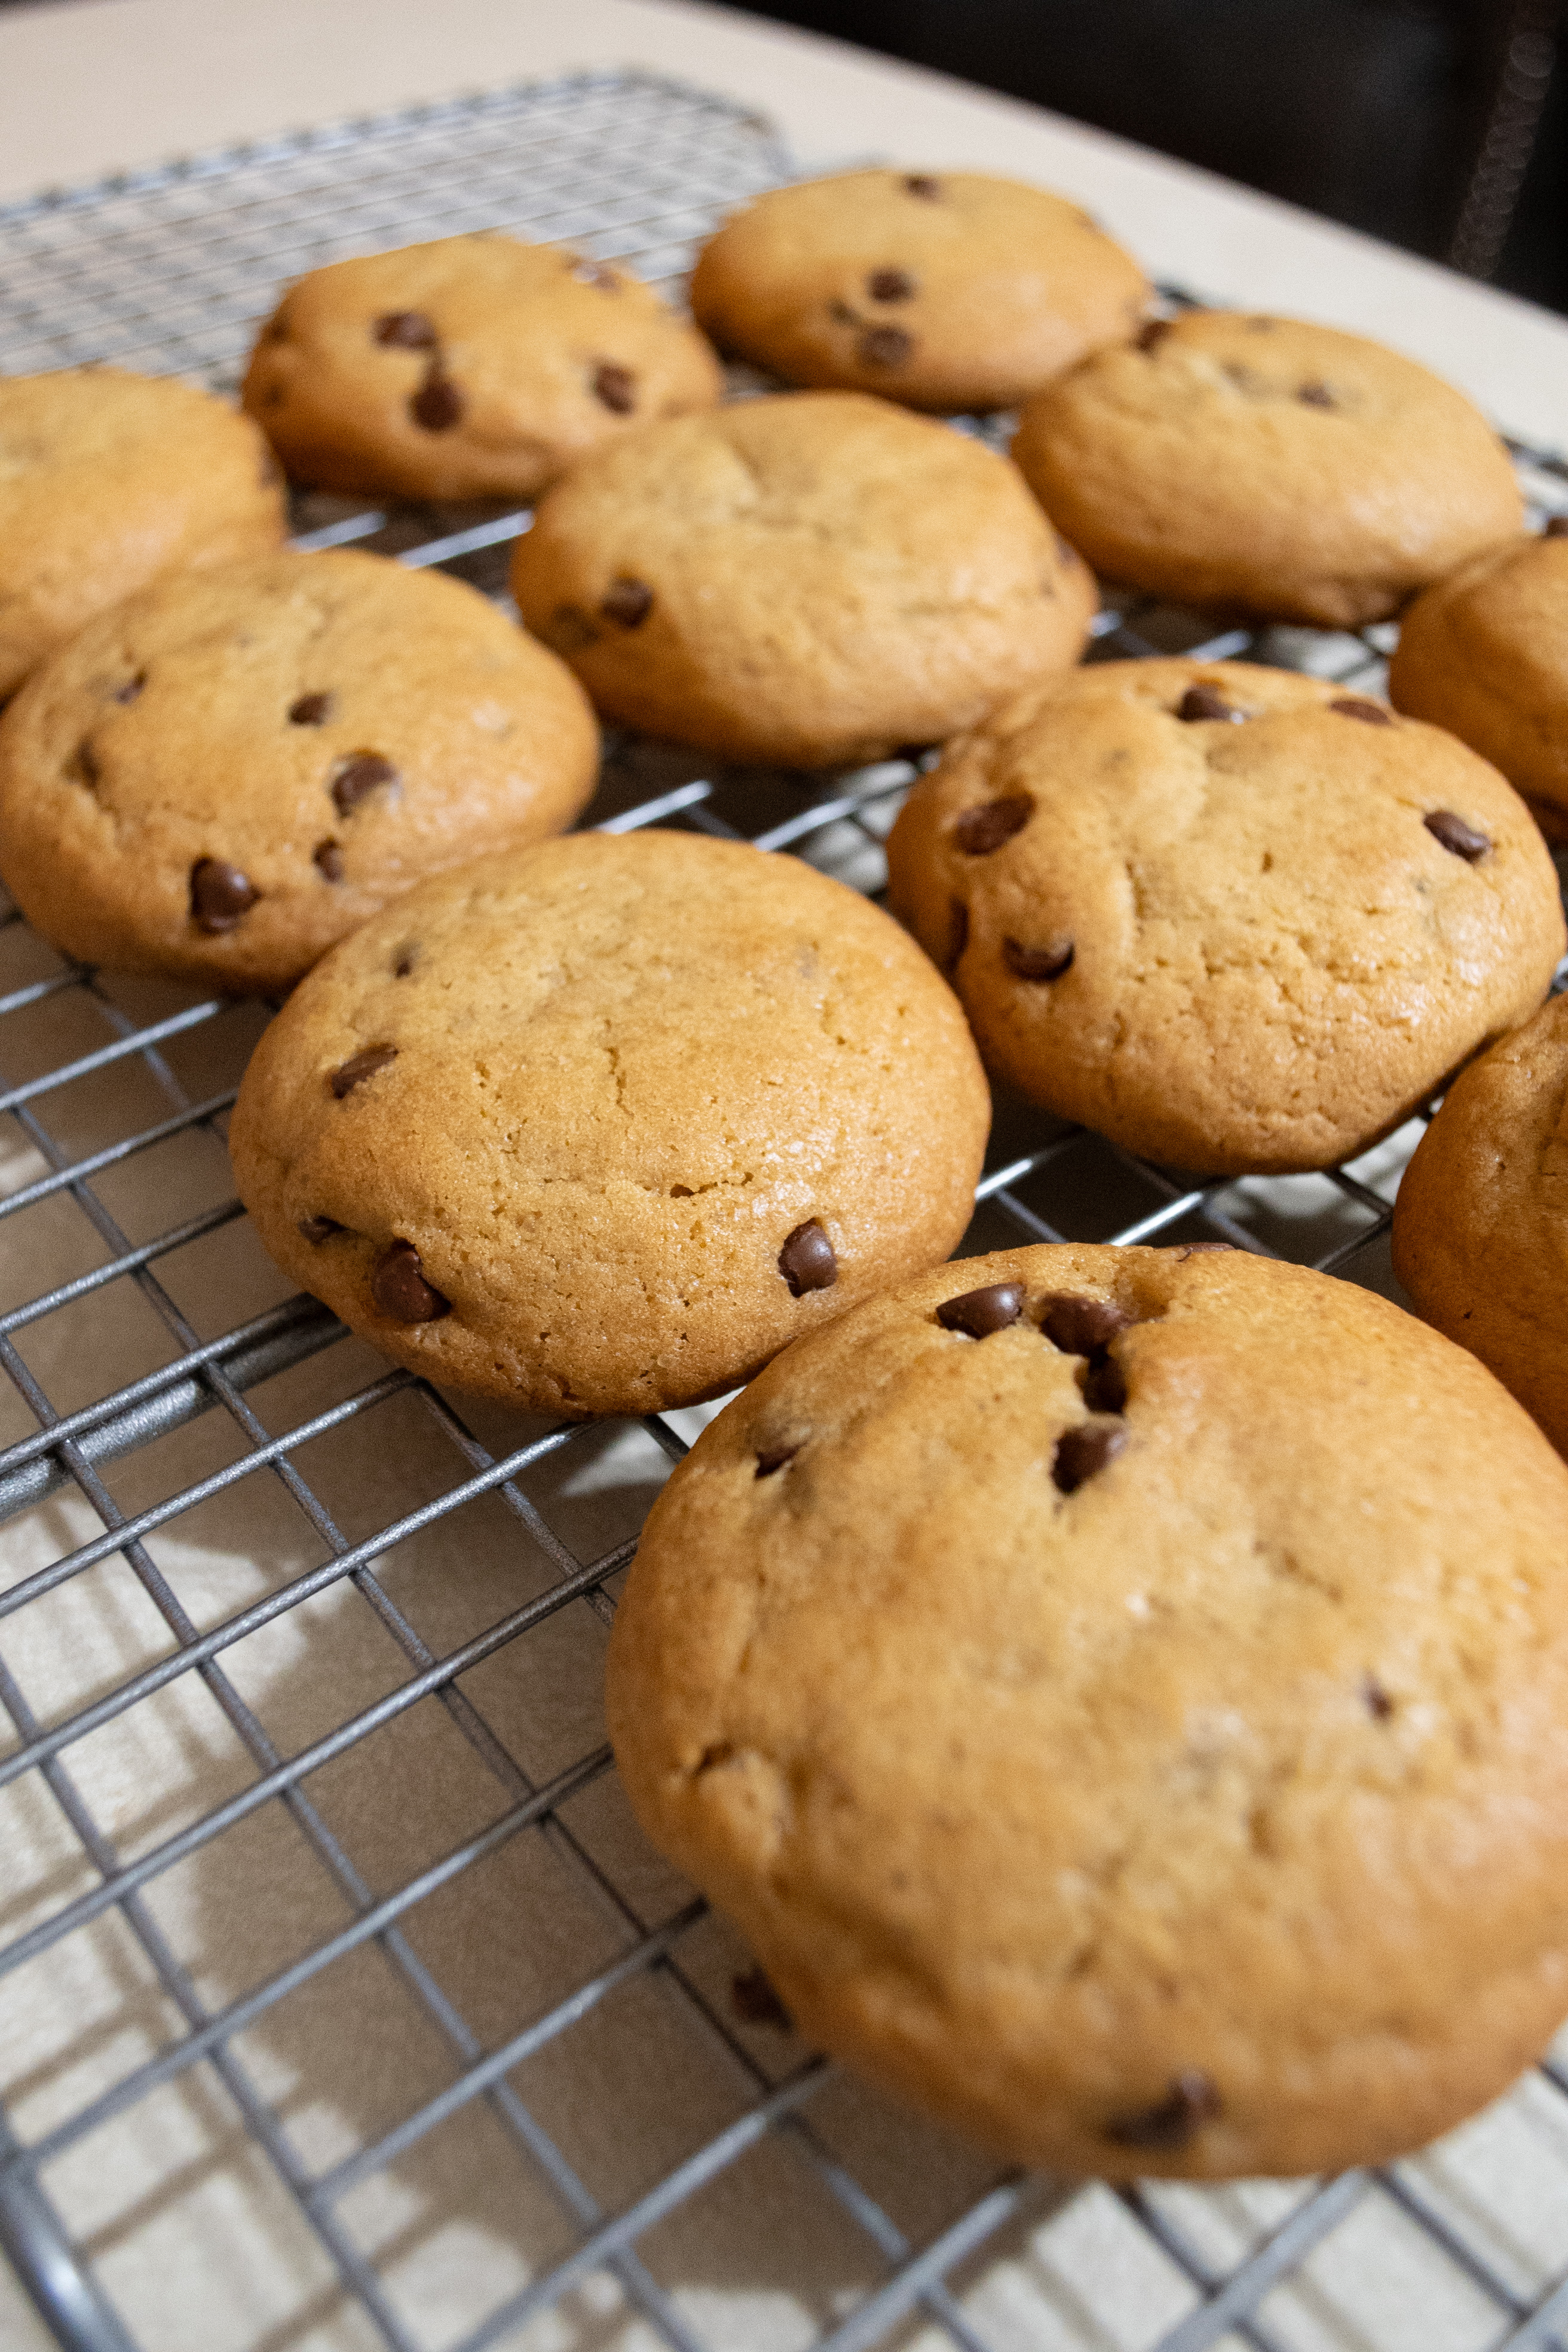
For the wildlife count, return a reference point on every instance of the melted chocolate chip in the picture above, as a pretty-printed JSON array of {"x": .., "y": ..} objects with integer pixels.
[
  {"x": 356, "y": 778},
  {"x": 981, "y": 830},
  {"x": 887, "y": 347},
  {"x": 1149, "y": 338},
  {"x": 1204, "y": 702},
  {"x": 1457, "y": 835},
  {"x": 131, "y": 687},
  {"x": 1105, "y": 1386},
  {"x": 773, "y": 1458},
  {"x": 1314, "y": 395},
  {"x": 1083, "y": 1451},
  {"x": 320, "y": 1229},
  {"x": 957, "y": 934},
  {"x": 328, "y": 859},
  {"x": 1378, "y": 1706},
  {"x": 437, "y": 404},
  {"x": 1047, "y": 962},
  {"x": 1080, "y": 1326},
  {"x": 627, "y": 603},
  {"x": 1556, "y": 527},
  {"x": 399, "y": 1288},
  {"x": 891, "y": 286},
  {"x": 755, "y": 2002},
  {"x": 616, "y": 388},
  {"x": 981, "y": 1312},
  {"x": 1355, "y": 705},
  {"x": 806, "y": 1260},
  {"x": 406, "y": 330},
  {"x": 360, "y": 1066},
  {"x": 404, "y": 962},
  {"x": 220, "y": 894},
  {"x": 1191, "y": 2100},
  {"x": 921, "y": 184},
  {"x": 310, "y": 711}
]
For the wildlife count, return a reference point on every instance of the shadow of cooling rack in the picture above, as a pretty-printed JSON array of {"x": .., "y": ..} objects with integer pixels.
[{"x": 345, "y": 2006}]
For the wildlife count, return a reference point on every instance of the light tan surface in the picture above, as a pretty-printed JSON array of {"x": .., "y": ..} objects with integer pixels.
[
  {"x": 1266, "y": 468},
  {"x": 1036, "y": 1805},
  {"x": 816, "y": 577},
  {"x": 957, "y": 291},
  {"x": 166, "y": 735},
  {"x": 1272, "y": 959},
  {"x": 108, "y": 480}
]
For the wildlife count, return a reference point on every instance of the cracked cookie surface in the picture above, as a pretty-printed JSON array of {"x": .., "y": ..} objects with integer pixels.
[{"x": 1148, "y": 1822}]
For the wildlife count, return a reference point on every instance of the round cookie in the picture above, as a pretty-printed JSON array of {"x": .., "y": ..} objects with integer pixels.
[
  {"x": 471, "y": 367},
  {"x": 1484, "y": 653},
  {"x": 955, "y": 290},
  {"x": 814, "y": 578},
  {"x": 598, "y": 1127},
  {"x": 1234, "y": 918},
  {"x": 1000, "y": 1664},
  {"x": 1480, "y": 1223},
  {"x": 1267, "y": 467},
  {"x": 238, "y": 767},
  {"x": 106, "y": 481}
]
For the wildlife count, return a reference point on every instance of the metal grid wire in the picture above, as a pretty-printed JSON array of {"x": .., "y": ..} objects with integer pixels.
[{"x": 159, "y": 1381}]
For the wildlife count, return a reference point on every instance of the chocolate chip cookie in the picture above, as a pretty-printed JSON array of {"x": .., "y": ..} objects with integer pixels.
[
  {"x": 1266, "y": 466},
  {"x": 1004, "y": 1664},
  {"x": 1234, "y": 918},
  {"x": 814, "y": 578},
  {"x": 1484, "y": 653},
  {"x": 108, "y": 480},
  {"x": 598, "y": 1127},
  {"x": 471, "y": 367},
  {"x": 945, "y": 290},
  {"x": 1480, "y": 1225},
  {"x": 229, "y": 772}
]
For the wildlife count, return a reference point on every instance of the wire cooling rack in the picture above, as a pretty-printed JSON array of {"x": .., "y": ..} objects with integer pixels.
[{"x": 345, "y": 2006}]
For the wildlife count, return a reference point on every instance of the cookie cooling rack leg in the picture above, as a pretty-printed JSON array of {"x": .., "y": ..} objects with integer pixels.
[{"x": 31, "y": 2234}]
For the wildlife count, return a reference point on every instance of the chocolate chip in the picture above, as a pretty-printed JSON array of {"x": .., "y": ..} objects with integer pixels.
[
  {"x": 571, "y": 630},
  {"x": 310, "y": 711},
  {"x": 360, "y": 1066},
  {"x": 1192, "y": 2100},
  {"x": 220, "y": 894},
  {"x": 807, "y": 1261},
  {"x": 399, "y": 1288},
  {"x": 406, "y": 330},
  {"x": 1355, "y": 705},
  {"x": 957, "y": 934},
  {"x": 1084, "y": 1449},
  {"x": 981, "y": 1312},
  {"x": 774, "y": 1458},
  {"x": 131, "y": 687},
  {"x": 1456, "y": 834},
  {"x": 1556, "y": 527},
  {"x": 1105, "y": 1386},
  {"x": 756, "y": 2003},
  {"x": 406, "y": 960},
  {"x": 891, "y": 286},
  {"x": 1149, "y": 338},
  {"x": 887, "y": 347},
  {"x": 843, "y": 315},
  {"x": 1315, "y": 396},
  {"x": 320, "y": 1229},
  {"x": 1378, "y": 1706},
  {"x": 84, "y": 766},
  {"x": 627, "y": 603},
  {"x": 437, "y": 404},
  {"x": 356, "y": 778},
  {"x": 981, "y": 830},
  {"x": 1081, "y": 1325},
  {"x": 921, "y": 184},
  {"x": 616, "y": 388},
  {"x": 328, "y": 859},
  {"x": 1047, "y": 962},
  {"x": 1204, "y": 702}
]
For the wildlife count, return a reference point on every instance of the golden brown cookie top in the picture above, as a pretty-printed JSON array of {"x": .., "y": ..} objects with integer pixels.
[
  {"x": 1276, "y": 466},
  {"x": 1137, "y": 1732},
  {"x": 1234, "y": 918},
  {"x": 812, "y": 577},
  {"x": 471, "y": 367},
  {"x": 944, "y": 290},
  {"x": 108, "y": 479},
  {"x": 227, "y": 773},
  {"x": 639, "y": 1108}
]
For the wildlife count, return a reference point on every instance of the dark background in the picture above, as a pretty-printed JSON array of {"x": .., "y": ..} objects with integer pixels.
[{"x": 1441, "y": 125}]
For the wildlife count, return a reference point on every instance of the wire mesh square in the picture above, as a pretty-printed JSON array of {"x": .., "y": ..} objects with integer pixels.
[{"x": 348, "y": 2007}]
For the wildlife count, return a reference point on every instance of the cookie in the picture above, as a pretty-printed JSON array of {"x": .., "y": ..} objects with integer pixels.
[
  {"x": 1000, "y": 1664},
  {"x": 598, "y": 1127},
  {"x": 814, "y": 578},
  {"x": 471, "y": 367},
  {"x": 1484, "y": 653},
  {"x": 946, "y": 292},
  {"x": 1235, "y": 918},
  {"x": 230, "y": 772},
  {"x": 108, "y": 480},
  {"x": 1267, "y": 468},
  {"x": 1480, "y": 1223}
]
